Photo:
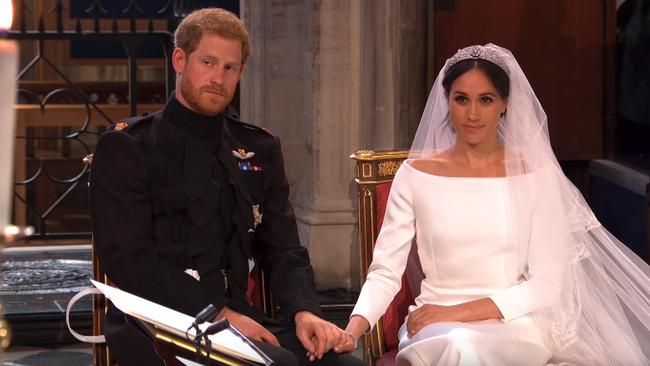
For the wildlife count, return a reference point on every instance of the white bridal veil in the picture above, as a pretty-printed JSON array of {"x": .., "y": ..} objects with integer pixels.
[{"x": 594, "y": 303}]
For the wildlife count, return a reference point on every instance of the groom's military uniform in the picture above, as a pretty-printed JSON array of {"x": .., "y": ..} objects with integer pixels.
[{"x": 181, "y": 204}]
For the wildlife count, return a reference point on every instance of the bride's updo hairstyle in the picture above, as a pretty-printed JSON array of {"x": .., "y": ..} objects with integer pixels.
[{"x": 477, "y": 57}]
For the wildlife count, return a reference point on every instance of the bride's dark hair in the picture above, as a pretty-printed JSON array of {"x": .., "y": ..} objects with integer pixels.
[{"x": 497, "y": 76}]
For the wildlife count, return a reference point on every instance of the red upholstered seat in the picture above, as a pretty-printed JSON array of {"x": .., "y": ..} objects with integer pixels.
[
  {"x": 397, "y": 310},
  {"x": 388, "y": 359},
  {"x": 375, "y": 172}
]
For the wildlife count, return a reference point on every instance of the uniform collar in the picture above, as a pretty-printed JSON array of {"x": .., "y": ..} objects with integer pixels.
[{"x": 191, "y": 122}]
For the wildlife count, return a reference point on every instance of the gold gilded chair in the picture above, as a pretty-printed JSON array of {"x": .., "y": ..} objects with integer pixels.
[{"x": 374, "y": 176}]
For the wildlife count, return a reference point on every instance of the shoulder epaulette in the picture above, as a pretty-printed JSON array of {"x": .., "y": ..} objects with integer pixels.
[
  {"x": 127, "y": 124},
  {"x": 249, "y": 126}
]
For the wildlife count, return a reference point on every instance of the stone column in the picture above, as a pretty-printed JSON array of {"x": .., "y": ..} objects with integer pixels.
[{"x": 324, "y": 75}]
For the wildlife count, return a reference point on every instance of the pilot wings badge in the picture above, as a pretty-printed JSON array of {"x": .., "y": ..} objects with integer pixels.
[{"x": 243, "y": 154}]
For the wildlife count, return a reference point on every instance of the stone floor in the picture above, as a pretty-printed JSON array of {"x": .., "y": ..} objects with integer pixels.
[
  {"x": 37, "y": 283},
  {"x": 36, "y": 286},
  {"x": 67, "y": 355}
]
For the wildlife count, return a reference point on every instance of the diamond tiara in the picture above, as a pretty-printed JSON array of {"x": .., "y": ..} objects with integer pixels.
[{"x": 478, "y": 53}]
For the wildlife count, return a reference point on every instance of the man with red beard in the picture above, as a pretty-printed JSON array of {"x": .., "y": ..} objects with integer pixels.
[{"x": 184, "y": 199}]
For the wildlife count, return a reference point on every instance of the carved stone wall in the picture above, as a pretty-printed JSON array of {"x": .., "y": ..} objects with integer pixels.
[{"x": 331, "y": 77}]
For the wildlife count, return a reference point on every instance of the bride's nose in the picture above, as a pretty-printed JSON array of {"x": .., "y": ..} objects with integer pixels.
[{"x": 472, "y": 113}]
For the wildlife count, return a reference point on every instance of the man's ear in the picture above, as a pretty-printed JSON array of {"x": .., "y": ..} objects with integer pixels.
[{"x": 179, "y": 58}]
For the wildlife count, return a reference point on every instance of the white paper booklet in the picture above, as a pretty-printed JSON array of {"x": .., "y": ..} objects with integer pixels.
[{"x": 175, "y": 322}]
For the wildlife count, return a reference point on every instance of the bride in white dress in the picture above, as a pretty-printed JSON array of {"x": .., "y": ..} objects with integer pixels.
[{"x": 517, "y": 270}]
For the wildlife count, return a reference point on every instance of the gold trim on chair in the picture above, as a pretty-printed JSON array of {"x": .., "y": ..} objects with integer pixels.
[
  {"x": 388, "y": 168},
  {"x": 371, "y": 155},
  {"x": 373, "y": 168}
]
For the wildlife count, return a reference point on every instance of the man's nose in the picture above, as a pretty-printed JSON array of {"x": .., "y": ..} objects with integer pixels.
[{"x": 217, "y": 76}]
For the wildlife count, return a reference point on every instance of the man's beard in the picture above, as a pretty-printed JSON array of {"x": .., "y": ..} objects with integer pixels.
[{"x": 198, "y": 103}]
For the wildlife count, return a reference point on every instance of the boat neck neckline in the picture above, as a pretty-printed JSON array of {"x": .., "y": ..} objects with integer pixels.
[{"x": 452, "y": 177}]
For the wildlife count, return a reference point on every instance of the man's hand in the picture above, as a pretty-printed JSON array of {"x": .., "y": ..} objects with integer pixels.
[
  {"x": 429, "y": 314},
  {"x": 317, "y": 335},
  {"x": 249, "y": 327}
]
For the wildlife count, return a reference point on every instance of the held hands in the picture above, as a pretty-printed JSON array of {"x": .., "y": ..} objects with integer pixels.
[
  {"x": 357, "y": 326},
  {"x": 249, "y": 327},
  {"x": 317, "y": 335},
  {"x": 417, "y": 320},
  {"x": 349, "y": 344}
]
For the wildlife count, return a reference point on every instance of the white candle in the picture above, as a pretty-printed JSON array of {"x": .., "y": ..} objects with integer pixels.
[{"x": 8, "y": 72}]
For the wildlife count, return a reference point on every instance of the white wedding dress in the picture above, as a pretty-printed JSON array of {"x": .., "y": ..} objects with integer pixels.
[{"x": 461, "y": 229}]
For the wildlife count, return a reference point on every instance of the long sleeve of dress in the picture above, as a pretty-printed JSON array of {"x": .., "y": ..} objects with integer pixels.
[
  {"x": 545, "y": 259},
  {"x": 391, "y": 252}
]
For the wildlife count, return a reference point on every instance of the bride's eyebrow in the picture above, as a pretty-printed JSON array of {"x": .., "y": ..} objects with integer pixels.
[{"x": 460, "y": 92}]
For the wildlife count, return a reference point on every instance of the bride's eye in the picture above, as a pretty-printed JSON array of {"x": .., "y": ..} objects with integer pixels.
[
  {"x": 461, "y": 99},
  {"x": 486, "y": 100}
]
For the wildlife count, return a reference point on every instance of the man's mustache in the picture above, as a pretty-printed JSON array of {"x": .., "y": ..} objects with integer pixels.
[{"x": 217, "y": 90}]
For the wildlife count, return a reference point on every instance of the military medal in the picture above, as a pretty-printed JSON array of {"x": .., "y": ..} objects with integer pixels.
[
  {"x": 257, "y": 216},
  {"x": 243, "y": 154},
  {"x": 244, "y": 165}
]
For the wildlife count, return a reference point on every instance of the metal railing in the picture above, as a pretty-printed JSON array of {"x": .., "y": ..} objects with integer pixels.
[{"x": 51, "y": 187}]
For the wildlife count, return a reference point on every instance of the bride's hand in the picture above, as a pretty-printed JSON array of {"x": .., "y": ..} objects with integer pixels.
[
  {"x": 429, "y": 314},
  {"x": 355, "y": 329},
  {"x": 349, "y": 344}
]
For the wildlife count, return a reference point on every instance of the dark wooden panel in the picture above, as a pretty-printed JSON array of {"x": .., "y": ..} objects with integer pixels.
[{"x": 561, "y": 46}]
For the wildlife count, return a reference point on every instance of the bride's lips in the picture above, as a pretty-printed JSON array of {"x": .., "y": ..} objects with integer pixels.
[{"x": 473, "y": 128}]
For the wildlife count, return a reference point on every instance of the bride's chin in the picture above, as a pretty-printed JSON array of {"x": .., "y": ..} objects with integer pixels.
[{"x": 473, "y": 140}]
